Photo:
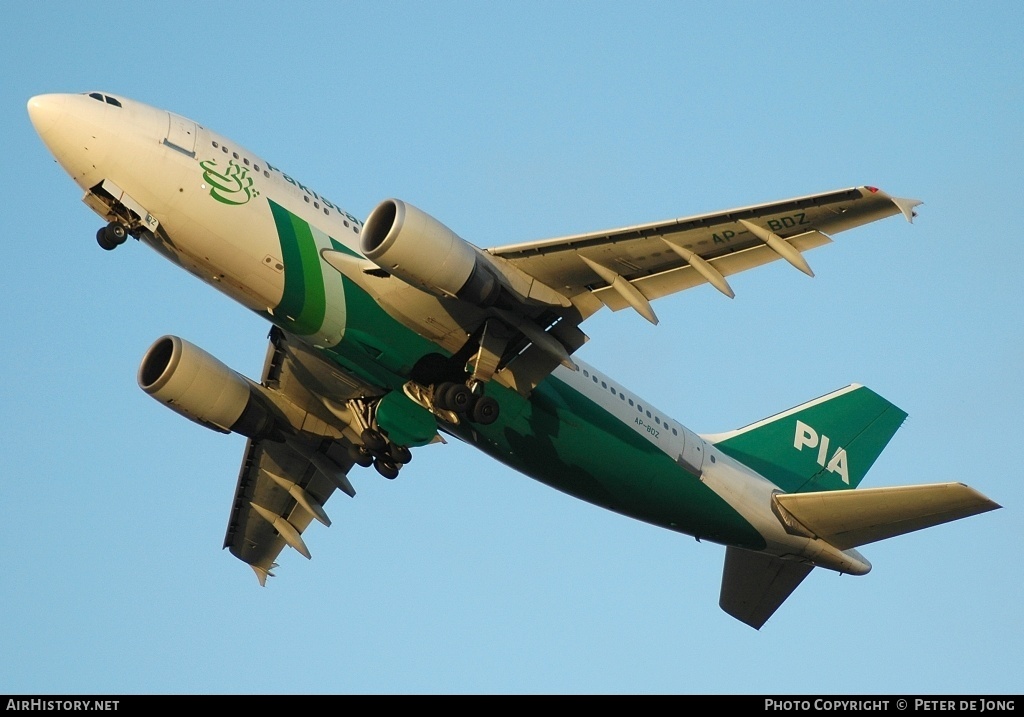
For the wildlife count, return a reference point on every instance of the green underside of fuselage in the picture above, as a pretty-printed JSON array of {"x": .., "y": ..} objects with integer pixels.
[{"x": 558, "y": 437}]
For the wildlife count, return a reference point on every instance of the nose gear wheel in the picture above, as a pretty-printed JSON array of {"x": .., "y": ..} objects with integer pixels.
[{"x": 112, "y": 236}]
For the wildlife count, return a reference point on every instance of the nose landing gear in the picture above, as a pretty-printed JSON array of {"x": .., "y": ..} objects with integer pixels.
[{"x": 112, "y": 236}]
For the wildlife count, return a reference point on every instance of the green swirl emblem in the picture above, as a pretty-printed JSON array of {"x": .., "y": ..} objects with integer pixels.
[{"x": 232, "y": 186}]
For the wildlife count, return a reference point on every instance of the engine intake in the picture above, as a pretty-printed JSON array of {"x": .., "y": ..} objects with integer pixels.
[
  {"x": 410, "y": 244},
  {"x": 193, "y": 383}
]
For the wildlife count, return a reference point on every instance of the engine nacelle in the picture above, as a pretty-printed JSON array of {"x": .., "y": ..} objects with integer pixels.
[
  {"x": 410, "y": 244},
  {"x": 193, "y": 383}
]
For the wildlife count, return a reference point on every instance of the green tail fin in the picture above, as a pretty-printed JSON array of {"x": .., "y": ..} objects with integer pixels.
[{"x": 825, "y": 444}]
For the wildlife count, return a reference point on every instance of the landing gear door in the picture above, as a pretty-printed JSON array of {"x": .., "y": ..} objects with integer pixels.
[{"x": 181, "y": 134}]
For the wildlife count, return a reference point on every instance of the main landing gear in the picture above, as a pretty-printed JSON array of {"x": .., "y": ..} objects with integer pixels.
[
  {"x": 375, "y": 448},
  {"x": 451, "y": 401},
  {"x": 377, "y": 451},
  {"x": 453, "y": 387},
  {"x": 112, "y": 236},
  {"x": 458, "y": 398}
]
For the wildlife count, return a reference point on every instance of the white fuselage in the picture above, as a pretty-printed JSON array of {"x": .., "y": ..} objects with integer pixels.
[{"x": 200, "y": 193}]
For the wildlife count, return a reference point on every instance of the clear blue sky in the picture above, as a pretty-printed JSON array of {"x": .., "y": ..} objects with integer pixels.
[{"x": 511, "y": 124}]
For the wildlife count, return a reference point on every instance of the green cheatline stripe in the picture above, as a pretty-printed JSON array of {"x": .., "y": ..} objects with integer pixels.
[
  {"x": 304, "y": 298},
  {"x": 338, "y": 246},
  {"x": 311, "y": 317}
]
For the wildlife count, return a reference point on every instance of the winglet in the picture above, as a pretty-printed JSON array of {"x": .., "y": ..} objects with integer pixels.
[
  {"x": 906, "y": 206},
  {"x": 261, "y": 574}
]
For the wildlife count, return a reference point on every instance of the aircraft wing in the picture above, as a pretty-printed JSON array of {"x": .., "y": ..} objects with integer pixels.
[
  {"x": 271, "y": 478},
  {"x": 283, "y": 485},
  {"x": 635, "y": 265}
]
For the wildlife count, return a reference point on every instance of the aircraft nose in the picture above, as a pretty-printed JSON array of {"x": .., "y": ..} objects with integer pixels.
[{"x": 45, "y": 112}]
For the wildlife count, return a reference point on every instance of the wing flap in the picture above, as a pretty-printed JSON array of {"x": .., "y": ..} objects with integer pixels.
[
  {"x": 632, "y": 266},
  {"x": 847, "y": 519},
  {"x": 251, "y": 536},
  {"x": 754, "y": 585},
  {"x": 686, "y": 277},
  {"x": 292, "y": 480},
  {"x": 639, "y": 254}
]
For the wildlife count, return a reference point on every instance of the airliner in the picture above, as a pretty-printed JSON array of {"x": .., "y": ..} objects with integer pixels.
[{"x": 394, "y": 333}]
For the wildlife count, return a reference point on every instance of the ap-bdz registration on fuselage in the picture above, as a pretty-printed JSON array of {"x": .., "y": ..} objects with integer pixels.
[{"x": 389, "y": 333}]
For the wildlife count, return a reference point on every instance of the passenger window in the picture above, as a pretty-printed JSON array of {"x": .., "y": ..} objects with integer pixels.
[
  {"x": 648, "y": 414},
  {"x": 235, "y": 155},
  {"x": 215, "y": 145},
  {"x": 246, "y": 160},
  {"x": 604, "y": 385}
]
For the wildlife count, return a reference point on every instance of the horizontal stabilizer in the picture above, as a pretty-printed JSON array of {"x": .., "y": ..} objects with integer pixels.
[
  {"x": 847, "y": 519},
  {"x": 755, "y": 584}
]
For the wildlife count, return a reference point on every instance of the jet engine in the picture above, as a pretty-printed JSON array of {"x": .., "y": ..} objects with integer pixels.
[
  {"x": 410, "y": 244},
  {"x": 193, "y": 383}
]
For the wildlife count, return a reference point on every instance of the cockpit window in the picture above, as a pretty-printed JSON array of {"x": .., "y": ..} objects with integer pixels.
[{"x": 105, "y": 98}]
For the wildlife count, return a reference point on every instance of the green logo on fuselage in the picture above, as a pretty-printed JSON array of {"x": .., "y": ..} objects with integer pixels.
[{"x": 232, "y": 186}]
